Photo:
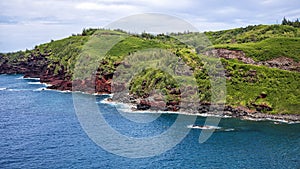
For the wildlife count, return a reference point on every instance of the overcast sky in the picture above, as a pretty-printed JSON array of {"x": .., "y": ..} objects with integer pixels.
[{"x": 26, "y": 23}]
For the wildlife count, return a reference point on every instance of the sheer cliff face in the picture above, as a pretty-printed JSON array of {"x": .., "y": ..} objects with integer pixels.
[
  {"x": 32, "y": 66},
  {"x": 38, "y": 66}
]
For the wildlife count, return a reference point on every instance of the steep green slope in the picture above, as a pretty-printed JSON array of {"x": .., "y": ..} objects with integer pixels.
[
  {"x": 63, "y": 52},
  {"x": 245, "y": 84}
]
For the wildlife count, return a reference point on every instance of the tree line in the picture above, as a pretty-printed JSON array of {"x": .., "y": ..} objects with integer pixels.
[{"x": 295, "y": 23}]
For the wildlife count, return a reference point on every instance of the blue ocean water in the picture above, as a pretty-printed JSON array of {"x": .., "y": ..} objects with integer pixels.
[{"x": 40, "y": 129}]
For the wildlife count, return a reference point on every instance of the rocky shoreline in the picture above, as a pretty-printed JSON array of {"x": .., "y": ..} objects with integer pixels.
[
  {"x": 205, "y": 109},
  {"x": 37, "y": 66}
]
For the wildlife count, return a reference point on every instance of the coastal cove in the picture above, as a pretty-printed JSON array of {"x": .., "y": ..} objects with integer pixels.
[
  {"x": 39, "y": 129},
  {"x": 107, "y": 98},
  {"x": 228, "y": 111}
]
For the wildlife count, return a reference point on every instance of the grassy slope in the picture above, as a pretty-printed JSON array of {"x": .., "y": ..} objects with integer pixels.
[
  {"x": 132, "y": 44},
  {"x": 262, "y": 42},
  {"x": 282, "y": 87},
  {"x": 268, "y": 49},
  {"x": 64, "y": 51},
  {"x": 252, "y": 34}
]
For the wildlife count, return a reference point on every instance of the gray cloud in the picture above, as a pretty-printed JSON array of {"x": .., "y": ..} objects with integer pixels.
[{"x": 25, "y": 23}]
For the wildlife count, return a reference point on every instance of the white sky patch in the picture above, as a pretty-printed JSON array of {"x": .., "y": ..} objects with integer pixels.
[
  {"x": 53, "y": 19},
  {"x": 294, "y": 14},
  {"x": 166, "y": 3},
  {"x": 103, "y": 7},
  {"x": 212, "y": 26},
  {"x": 152, "y": 23},
  {"x": 266, "y": 2},
  {"x": 25, "y": 36},
  {"x": 226, "y": 11}
]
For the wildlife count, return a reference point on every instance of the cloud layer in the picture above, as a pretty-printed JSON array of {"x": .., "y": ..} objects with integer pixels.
[{"x": 25, "y": 23}]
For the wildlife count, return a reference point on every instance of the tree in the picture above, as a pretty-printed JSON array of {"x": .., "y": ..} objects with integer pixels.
[
  {"x": 297, "y": 23},
  {"x": 284, "y": 21}
]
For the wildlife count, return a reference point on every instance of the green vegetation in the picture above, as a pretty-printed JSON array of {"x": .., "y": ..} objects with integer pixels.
[
  {"x": 268, "y": 49},
  {"x": 296, "y": 23},
  {"x": 270, "y": 90},
  {"x": 247, "y": 82},
  {"x": 132, "y": 44},
  {"x": 153, "y": 79},
  {"x": 252, "y": 34},
  {"x": 63, "y": 52}
]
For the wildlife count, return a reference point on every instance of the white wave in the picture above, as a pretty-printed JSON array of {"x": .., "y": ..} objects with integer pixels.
[
  {"x": 105, "y": 101},
  {"x": 64, "y": 91},
  {"x": 31, "y": 78},
  {"x": 101, "y": 94},
  {"x": 279, "y": 121},
  {"x": 40, "y": 89},
  {"x": 293, "y": 122},
  {"x": 22, "y": 77},
  {"x": 252, "y": 119},
  {"x": 60, "y": 91},
  {"x": 3, "y": 88},
  {"x": 18, "y": 90},
  {"x": 127, "y": 108},
  {"x": 46, "y": 84},
  {"x": 205, "y": 127},
  {"x": 208, "y": 127},
  {"x": 86, "y": 93},
  {"x": 275, "y": 121},
  {"x": 34, "y": 83},
  {"x": 231, "y": 129},
  {"x": 39, "y": 83},
  {"x": 123, "y": 106},
  {"x": 208, "y": 115}
]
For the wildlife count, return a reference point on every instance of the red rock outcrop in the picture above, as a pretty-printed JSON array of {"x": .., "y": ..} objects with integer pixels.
[
  {"x": 280, "y": 62},
  {"x": 230, "y": 54}
]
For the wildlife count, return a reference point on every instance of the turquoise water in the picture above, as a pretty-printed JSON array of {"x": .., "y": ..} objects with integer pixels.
[{"x": 40, "y": 129}]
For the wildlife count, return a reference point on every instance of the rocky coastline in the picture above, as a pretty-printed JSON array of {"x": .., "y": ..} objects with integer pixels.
[
  {"x": 203, "y": 109},
  {"x": 37, "y": 66}
]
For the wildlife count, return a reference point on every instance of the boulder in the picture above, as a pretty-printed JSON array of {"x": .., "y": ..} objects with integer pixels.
[{"x": 143, "y": 105}]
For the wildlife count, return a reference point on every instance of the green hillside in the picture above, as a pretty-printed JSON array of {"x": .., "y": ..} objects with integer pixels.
[
  {"x": 268, "y": 49},
  {"x": 252, "y": 34},
  {"x": 245, "y": 83}
]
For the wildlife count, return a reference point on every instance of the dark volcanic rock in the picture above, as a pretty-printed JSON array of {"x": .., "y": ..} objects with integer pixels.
[{"x": 143, "y": 105}]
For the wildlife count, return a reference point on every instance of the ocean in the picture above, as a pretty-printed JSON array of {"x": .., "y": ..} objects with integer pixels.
[{"x": 41, "y": 129}]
